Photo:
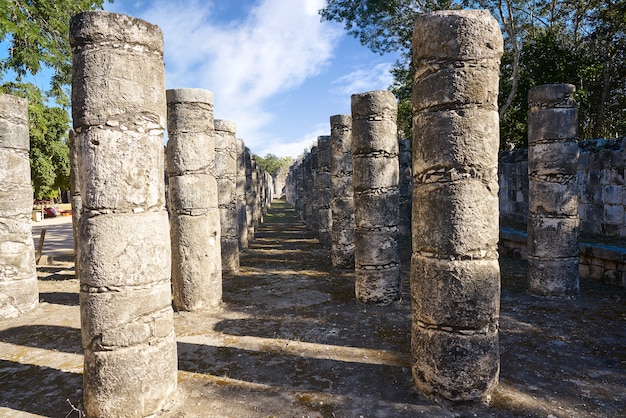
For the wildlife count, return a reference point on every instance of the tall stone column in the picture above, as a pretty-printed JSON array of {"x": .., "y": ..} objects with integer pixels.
[
  {"x": 250, "y": 193},
  {"x": 342, "y": 200},
  {"x": 118, "y": 111},
  {"x": 455, "y": 276},
  {"x": 323, "y": 181},
  {"x": 405, "y": 188},
  {"x": 75, "y": 200},
  {"x": 226, "y": 174},
  {"x": 18, "y": 276},
  {"x": 193, "y": 200},
  {"x": 552, "y": 194},
  {"x": 242, "y": 216},
  {"x": 375, "y": 188}
]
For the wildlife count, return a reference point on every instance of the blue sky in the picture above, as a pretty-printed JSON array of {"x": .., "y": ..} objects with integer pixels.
[{"x": 274, "y": 68}]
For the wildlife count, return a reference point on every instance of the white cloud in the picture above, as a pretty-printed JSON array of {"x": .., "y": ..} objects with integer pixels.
[
  {"x": 363, "y": 80},
  {"x": 246, "y": 62},
  {"x": 296, "y": 147}
]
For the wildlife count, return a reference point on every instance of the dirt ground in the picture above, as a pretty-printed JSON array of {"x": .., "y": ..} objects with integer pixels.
[{"x": 291, "y": 341}]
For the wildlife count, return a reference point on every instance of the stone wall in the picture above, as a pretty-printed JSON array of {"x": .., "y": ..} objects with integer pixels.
[{"x": 601, "y": 196}]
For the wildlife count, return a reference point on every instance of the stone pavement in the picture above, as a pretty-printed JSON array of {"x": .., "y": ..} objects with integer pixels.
[{"x": 291, "y": 341}]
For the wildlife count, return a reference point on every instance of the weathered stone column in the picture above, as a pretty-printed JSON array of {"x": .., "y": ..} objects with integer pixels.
[
  {"x": 75, "y": 199},
  {"x": 18, "y": 276},
  {"x": 242, "y": 216},
  {"x": 226, "y": 174},
  {"x": 405, "y": 188},
  {"x": 193, "y": 200},
  {"x": 552, "y": 194},
  {"x": 119, "y": 110},
  {"x": 250, "y": 193},
  {"x": 325, "y": 219},
  {"x": 455, "y": 276},
  {"x": 375, "y": 185},
  {"x": 342, "y": 200}
]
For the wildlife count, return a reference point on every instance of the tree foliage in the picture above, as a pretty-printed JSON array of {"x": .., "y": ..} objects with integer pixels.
[
  {"x": 271, "y": 163},
  {"x": 581, "y": 42},
  {"x": 49, "y": 152},
  {"x": 37, "y": 35}
]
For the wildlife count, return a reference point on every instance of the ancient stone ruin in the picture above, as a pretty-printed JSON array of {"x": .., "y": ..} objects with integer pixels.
[
  {"x": 18, "y": 276},
  {"x": 242, "y": 212},
  {"x": 193, "y": 201},
  {"x": 342, "y": 200},
  {"x": 552, "y": 196},
  {"x": 375, "y": 175},
  {"x": 226, "y": 175},
  {"x": 118, "y": 110},
  {"x": 455, "y": 275},
  {"x": 322, "y": 188}
]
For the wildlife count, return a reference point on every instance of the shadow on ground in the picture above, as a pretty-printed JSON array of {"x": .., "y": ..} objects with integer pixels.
[{"x": 291, "y": 341}]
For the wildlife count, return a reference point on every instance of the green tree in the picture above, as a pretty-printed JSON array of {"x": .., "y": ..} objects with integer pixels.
[
  {"x": 37, "y": 35},
  {"x": 271, "y": 163},
  {"x": 546, "y": 41},
  {"x": 49, "y": 152}
]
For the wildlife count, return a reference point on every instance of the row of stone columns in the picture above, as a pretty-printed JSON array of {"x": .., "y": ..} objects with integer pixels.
[
  {"x": 455, "y": 278},
  {"x": 124, "y": 257}
]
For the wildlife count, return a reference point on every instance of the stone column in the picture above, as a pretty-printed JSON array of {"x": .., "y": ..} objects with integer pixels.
[
  {"x": 226, "y": 174},
  {"x": 455, "y": 276},
  {"x": 342, "y": 201},
  {"x": 242, "y": 217},
  {"x": 323, "y": 181},
  {"x": 552, "y": 197},
  {"x": 250, "y": 193},
  {"x": 18, "y": 276},
  {"x": 375, "y": 184},
  {"x": 405, "y": 188},
  {"x": 75, "y": 199},
  {"x": 193, "y": 198},
  {"x": 118, "y": 111}
]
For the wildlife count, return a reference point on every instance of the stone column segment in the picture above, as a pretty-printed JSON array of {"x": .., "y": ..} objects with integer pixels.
[
  {"x": 242, "y": 216},
  {"x": 119, "y": 111},
  {"x": 455, "y": 276},
  {"x": 552, "y": 196},
  {"x": 375, "y": 189},
  {"x": 226, "y": 175},
  {"x": 18, "y": 276},
  {"x": 323, "y": 185},
  {"x": 193, "y": 198},
  {"x": 342, "y": 200}
]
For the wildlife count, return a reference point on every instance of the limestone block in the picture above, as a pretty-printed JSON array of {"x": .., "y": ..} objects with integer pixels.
[
  {"x": 551, "y": 237},
  {"x": 456, "y": 139},
  {"x": 114, "y": 318},
  {"x": 456, "y": 366},
  {"x": 441, "y": 289},
  {"x": 548, "y": 277},
  {"x": 556, "y": 199},
  {"x": 454, "y": 84},
  {"x": 153, "y": 374},
  {"x": 196, "y": 249},
  {"x": 456, "y": 218},
  {"x": 553, "y": 159},
  {"x": 376, "y": 249},
  {"x": 193, "y": 192},
  {"x": 476, "y": 36},
  {"x": 121, "y": 170},
  {"x": 376, "y": 209},
  {"x": 375, "y": 173},
  {"x": 185, "y": 156},
  {"x": 18, "y": 296},
  {"x": 113, "y": 250},
  {"x": 378, "y": 286}
]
